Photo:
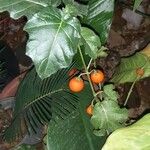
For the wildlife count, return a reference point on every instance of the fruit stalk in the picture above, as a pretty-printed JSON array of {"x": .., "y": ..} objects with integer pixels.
[
  {"x": 130, "y": 91},
  {"x": 87, "y": 72}
]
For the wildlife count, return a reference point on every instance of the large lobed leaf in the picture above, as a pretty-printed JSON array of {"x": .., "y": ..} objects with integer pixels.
[
  {"x": 126, "y": 71},
  {"x": 100, "y": 17},
  {"x": 38, "y": 101},
  {"x": 18, "y": 8},
  {"x": 136, "y": 136},
  {"x": 107, "y": 115},
  {"x": 75, "y": 132},
  {"x": 53, "y": 40}
]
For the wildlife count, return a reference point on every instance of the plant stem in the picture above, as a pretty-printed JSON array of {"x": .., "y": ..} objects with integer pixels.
[
  {"x": 100, "y": 87},
  {"x": 82, "y": 74},
  {"x": 130, "y": 91},
  {"x": 98, "y": 93},
  {"x": 89, "y": 64},
  {"x": 94, "y": 63},
  {"x": 87, "y": 72}
]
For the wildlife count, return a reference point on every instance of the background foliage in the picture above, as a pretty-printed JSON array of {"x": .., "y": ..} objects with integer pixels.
[{"x": 134, "y": 136}]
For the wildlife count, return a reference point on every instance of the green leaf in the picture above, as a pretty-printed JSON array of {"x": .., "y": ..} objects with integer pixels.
[
  {"x": 53, "y": 40},
  {"x": 107, "y": 115},
  {"x": 54, "y": 3},
  {"x": 24, "y": 147},
  {"x": 38, "y": 101},
  {"x": 102, "y": 52},
  {"x": 18, "y": 8},
  {"x": 126, "y": 71},
  {"x": 136, "y": 4},
  {"x": 136, "y": 136},
  {"x": 68, "y": 2},
  {"x": 81, "y": 8},
  {"x": 76, "y": 131},
  {"x": 71, "y": 9},
  {"x": 90, "y": 41},
  {"x": 109, "y": 93},
  {"x": 100, "y": 17}
]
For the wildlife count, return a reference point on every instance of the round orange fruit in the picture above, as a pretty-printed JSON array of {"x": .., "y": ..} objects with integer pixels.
[
  {"x": 89, "y": 110},
  {"x": 140, "y": 72},
  {"x": 76, "y": 84},
  {"x": 97, "y": 76}
]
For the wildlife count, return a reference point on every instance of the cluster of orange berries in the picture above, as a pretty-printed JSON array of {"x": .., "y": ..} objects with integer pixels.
[{"x": 76, "y": 84}]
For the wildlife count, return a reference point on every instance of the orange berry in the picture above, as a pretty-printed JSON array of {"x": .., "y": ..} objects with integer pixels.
[
  {"x": 76, "y": 84},
  {"x": 89, "y": 110},
  {"x": 140, "y": 72},
  {"x": 72, "y": 72},
  {"x": 97, "y": 76}
]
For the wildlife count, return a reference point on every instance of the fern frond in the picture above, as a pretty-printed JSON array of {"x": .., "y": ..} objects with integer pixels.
[{"x": 38, "y": 101}]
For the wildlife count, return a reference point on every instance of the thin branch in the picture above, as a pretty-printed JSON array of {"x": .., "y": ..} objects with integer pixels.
[{"x": 86, "y": 70}]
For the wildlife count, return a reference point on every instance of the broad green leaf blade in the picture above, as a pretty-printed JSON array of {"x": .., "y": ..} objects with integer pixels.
[
  {"x": 107, "y": 117},
  {"x": 136, "y": 4},
  {"x": 38, "y": 101},
  {"x": 54, "y": 3},
  {"x": 81, "y": 8},
  {"x": 53, "y": 40},
  {"x": 71, "y": 9},
  {"x": 68, "y": 2},
  {"x": 100, "y": 17},
  {"x": 18, "y": 8},
  {"x": 109, "y": 93},
  {"x": 90, "y": 41},
  {"x": 126, "y": 71},
  {"x": 76, "y": 131},
  {"x": 136, "y": 136}
]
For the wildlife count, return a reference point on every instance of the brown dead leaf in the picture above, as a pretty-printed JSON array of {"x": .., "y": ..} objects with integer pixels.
[{"x": 11, "y": 88}]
